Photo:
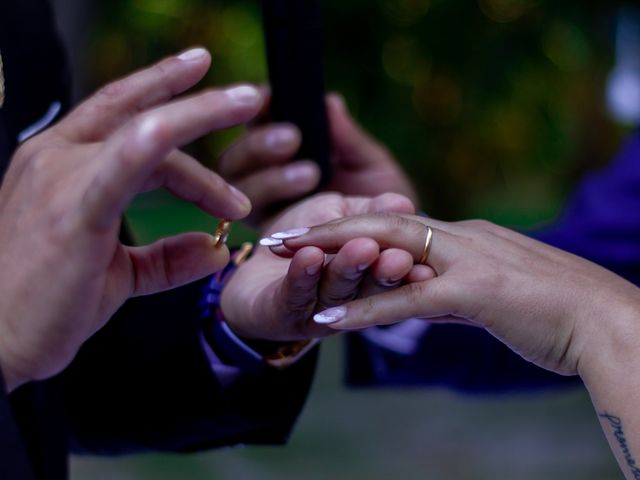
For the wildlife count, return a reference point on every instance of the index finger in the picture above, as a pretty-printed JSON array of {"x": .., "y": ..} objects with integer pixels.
[
  {"x": 115, "y": 104},
  {"x": 130, "y": 158},
  {"x": 389, "y": 231}
]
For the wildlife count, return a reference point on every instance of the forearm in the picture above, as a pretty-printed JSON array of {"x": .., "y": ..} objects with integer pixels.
[
  {"x": 612, "y": 377},
  {"x": 145, "y": 383}
]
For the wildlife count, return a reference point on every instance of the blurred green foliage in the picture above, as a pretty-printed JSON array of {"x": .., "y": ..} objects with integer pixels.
[{"x": 494, "y": 107}]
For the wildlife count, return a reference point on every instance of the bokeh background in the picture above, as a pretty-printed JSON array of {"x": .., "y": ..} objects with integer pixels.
[{"x": 496, "y": 108}]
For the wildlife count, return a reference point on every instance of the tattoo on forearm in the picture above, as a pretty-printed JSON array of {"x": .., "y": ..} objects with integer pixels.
[{"x": 618, "y": 432}]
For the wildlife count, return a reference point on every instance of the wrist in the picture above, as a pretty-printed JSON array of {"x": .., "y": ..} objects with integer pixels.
[{"x": 610, "y": 345}]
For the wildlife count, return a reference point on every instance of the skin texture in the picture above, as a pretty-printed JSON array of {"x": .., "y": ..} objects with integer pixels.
[
  {"x": 261, "y": 165},
  {"x": 64, "y": 269},
  {"x": 557, "y": 310},
  {"x": 275, "y": 298}
]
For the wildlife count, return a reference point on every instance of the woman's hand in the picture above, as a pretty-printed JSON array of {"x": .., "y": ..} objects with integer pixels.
[
  {"x": 273, "y": 298},
  {"x": 63, "y": 269},
  {"x": 553, "y": 308}
]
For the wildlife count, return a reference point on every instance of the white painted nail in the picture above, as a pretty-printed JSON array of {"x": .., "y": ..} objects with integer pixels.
[
  {"x": 294, "y": 233},
  {"x": 193, "y": 54},
  {"x": 245, "y": 94},
  {"x": 296, "y": 173},
  {"x": 330, "y": 316},
  {"x": 270, "y": 242}
]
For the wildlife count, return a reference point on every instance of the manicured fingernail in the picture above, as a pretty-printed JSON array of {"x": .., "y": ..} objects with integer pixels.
[
  {"x": 193, "y": 54},
  {"x": 245, "y": 94},
  {"x": 313, "y": 270},
  {"x": 330, "y": 316},
  {"x": 294, "y": 233},
  {"x": 279, "y": 138},
  {"x": 296, "y": 173},
  {"x": 240, "y": 197},
  {"x": 270, "y": 242}
]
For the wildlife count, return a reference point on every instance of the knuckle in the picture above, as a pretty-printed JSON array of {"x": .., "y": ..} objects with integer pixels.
[
  {"x": 480, "y": 225},
  {"x": 152, "y": 127},
  {"x": 414, "y": 293},
  {"x": 334, "y": 298},
  {"x": 112, "y": 91}
]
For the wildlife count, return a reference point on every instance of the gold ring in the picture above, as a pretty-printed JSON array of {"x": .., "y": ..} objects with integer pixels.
[
  {"x": 222, "y": 233},
  {"x": 427, "y": 247}
]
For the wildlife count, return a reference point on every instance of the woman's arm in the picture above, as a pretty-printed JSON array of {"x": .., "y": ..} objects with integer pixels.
[{"x": 554, "y": 309}]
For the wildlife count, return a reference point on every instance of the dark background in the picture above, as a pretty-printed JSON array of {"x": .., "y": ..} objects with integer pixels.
[{"x": 495, "y": 108}]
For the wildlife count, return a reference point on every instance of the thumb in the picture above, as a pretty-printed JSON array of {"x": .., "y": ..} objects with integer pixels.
[
  {"x": 175, "y": 261},
  {"x": 354, "y": 147}
]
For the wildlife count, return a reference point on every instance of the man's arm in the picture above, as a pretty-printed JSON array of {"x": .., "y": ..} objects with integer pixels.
[{"x": 145, "y": 383}]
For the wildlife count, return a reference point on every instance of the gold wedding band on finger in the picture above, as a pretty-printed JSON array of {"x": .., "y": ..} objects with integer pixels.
[
  {"x": 221, "y": 234},
  {"x": 427, "y": 247}
]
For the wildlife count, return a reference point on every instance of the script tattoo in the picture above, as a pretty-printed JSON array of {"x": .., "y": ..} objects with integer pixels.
[{"x": 618, "y": 432}]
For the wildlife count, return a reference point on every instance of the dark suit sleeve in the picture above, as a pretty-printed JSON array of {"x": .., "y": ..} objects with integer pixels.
[
  {"x": 14, "y": 459},
  {"x": 600, "y": 223},
  {"x": 144, "y": 383}
]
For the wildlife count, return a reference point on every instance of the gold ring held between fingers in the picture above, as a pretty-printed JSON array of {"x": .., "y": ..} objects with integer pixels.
[
  {"x": 427, "y": 247},
  {"x": 222, "y": 233}
]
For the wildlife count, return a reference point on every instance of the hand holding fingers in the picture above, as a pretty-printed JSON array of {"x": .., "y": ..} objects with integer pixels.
[
  {"x": 299, "y": 295},
  {"x": 271, "y": 300}
]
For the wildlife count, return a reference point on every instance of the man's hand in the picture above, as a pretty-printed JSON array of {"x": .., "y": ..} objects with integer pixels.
[
  {"x": 63, "y": 270},
  {"x": 272, "y": 298},
  {"x": 259, "y": 164}
]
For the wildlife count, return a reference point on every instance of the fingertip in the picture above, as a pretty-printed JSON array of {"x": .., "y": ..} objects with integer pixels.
[
  {"x": 337, "y": 102},
  {"x": 303, "y": 175},
  {"x": 331, "y": 316},
  {"x": 218, "y": 255},
  {"x": 310, "y": 260},
  {"x": 393, "y": 203},
  {"x": 282, "y": 138},
  {"x": 392, "y": 266},
  {"x": 242, "y": 205},
  {"x": 197, "y": 54},
  {"x": 421, "y": 273}
]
